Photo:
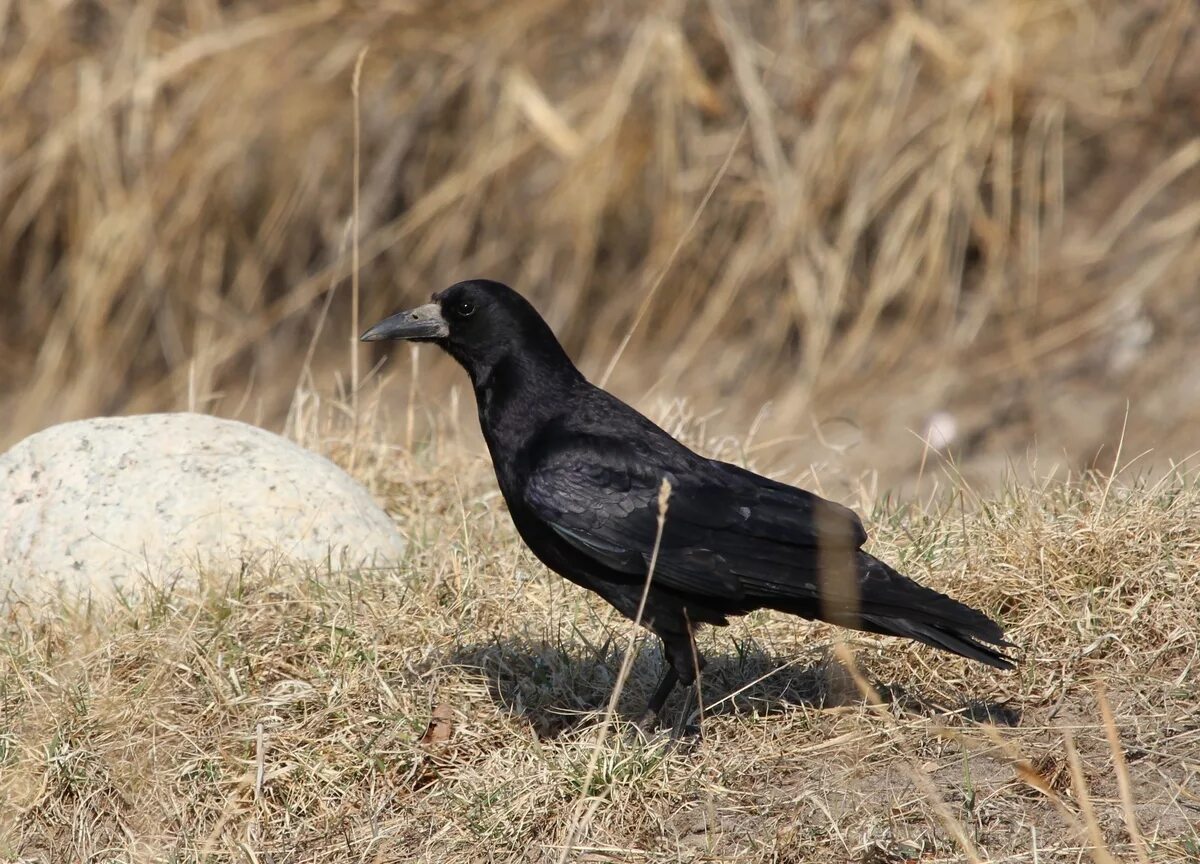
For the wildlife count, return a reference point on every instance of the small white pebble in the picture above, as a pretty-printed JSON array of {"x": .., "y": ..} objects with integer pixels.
[{"x": 940, "y": 430}]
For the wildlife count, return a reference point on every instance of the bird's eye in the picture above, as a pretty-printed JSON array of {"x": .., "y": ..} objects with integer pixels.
[{"x": 465, "y": 309}]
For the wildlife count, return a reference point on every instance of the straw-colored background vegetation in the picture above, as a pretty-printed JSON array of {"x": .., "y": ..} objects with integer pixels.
[
  {"x": 818, "y": 224},
  {"x": 861, "y": 210}
]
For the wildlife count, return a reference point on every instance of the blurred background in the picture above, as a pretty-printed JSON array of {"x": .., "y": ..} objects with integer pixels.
[{"x": 833, "y": 228}]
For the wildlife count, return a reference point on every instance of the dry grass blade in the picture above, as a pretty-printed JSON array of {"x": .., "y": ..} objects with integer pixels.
[
  {"x": 1098, "y": 850},
  {"x": 1122, "y": 771},
  {"x": 356, "y": 208},
  {"x": 648, "y": 295}
]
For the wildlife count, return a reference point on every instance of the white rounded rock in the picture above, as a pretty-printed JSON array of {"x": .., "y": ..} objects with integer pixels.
[{"x": 105, "y": 503}]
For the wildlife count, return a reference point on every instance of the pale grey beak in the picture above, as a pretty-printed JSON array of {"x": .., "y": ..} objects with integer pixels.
[{"x": 421, "y": 324}]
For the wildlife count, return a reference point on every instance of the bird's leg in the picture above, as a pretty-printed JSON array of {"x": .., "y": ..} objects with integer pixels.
[
  {"x": 685, "y": 710},
  {"x": 655, "y": 705},
  {"x": 693, "y": 702},
  {"x": 692, "y": 678}
]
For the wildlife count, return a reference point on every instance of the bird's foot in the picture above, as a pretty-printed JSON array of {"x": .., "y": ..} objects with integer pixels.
[
  {"x": 684, "y": 740},
  {"x": 667, "y": 740},
  {"x": 685, "y": 731},
  {"x": 683, "y": 736},
  {"x": 690, "y": 732}
]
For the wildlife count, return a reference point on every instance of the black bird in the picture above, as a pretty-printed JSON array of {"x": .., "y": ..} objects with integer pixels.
[{"x": 581, "y": 473}]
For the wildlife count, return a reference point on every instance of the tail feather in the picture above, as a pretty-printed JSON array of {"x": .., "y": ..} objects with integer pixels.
[
  {"x": 955, "y": 641},
  {"x": 892, "y": 604}
]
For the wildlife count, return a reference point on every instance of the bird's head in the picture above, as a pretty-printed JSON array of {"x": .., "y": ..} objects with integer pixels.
[{"x": 479, "y": 323}]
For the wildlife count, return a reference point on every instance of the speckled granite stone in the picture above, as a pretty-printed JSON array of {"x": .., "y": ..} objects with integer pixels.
[{"x": 88, "y": 505}]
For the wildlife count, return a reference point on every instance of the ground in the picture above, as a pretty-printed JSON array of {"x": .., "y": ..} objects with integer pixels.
[{"x": 454, "y": 706}]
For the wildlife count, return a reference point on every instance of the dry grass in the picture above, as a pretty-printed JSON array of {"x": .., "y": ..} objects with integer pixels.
[
  {"x": 447, "y": 709},
  {"x": 983, "y": 207}
]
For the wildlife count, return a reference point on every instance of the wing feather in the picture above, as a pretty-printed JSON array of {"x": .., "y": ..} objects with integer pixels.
[{"x": 729, "y": 534}]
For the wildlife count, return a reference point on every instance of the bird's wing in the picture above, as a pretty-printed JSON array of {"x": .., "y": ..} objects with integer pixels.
[{"x": 729, "y": 534}]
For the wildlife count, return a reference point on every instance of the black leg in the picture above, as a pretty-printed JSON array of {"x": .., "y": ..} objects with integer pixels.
[
  {"x": 695, "y": 662},
  {"x": 685, "y": 710},
  {"x": 665, "y": 686}
]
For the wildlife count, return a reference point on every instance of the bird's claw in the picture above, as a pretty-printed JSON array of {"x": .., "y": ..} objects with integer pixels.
[
  {"x": 669, "y": 740},
  {"x": 689, "y": 732}
]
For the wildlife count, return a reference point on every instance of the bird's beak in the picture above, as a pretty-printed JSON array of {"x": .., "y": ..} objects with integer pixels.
[{"x": 424, "y": 322}]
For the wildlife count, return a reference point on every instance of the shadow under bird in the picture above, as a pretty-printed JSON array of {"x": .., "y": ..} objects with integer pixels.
[{"x": 582, "y": 472}]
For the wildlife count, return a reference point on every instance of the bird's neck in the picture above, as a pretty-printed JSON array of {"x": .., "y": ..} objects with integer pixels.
[{"x": 517, "y": 394}]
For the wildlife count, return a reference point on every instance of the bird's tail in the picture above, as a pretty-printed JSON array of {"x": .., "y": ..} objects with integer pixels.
[{"x": 890, "y": 603}]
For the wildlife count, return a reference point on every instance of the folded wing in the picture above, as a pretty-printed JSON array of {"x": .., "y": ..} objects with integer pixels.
[{"x": 729, "y": 535}]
